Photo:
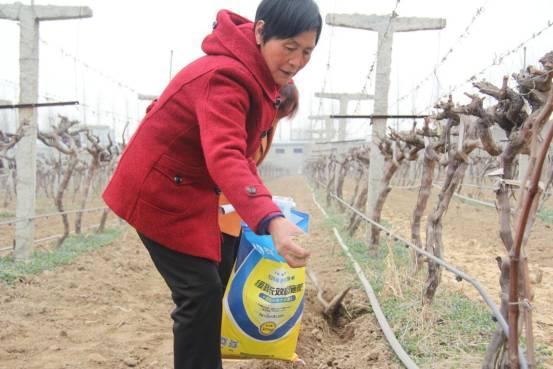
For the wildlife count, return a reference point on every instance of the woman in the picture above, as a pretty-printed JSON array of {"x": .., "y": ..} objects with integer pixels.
[
  {"x": 195, "y": 142},
  {"x": 230, "y": 223}
]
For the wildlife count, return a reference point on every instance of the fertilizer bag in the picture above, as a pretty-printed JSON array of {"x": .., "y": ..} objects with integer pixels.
[{"x": 263, "y": 302}]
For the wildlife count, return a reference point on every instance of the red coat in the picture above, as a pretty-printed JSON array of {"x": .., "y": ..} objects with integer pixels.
[{"x": 196, "y": 140}]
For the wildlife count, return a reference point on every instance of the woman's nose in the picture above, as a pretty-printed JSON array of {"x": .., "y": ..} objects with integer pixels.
[{"x": 295, "y": 61}]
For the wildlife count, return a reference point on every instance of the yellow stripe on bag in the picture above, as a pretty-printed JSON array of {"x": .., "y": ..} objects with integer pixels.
[{"x": 262, "y": 306}]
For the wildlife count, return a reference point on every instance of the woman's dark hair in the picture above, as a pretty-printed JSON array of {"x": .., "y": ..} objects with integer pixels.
[{"x": 288, "y": 18}]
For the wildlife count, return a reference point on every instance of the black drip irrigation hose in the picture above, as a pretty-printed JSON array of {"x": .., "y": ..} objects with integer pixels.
[
  {"x": 375, "y": 305},
  {"x": 460, "y": 276}
]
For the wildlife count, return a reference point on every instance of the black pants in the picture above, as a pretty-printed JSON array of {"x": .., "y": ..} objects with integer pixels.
[
  {"x": 229, "y": 249},
  {"x": 196, "y": 290}
]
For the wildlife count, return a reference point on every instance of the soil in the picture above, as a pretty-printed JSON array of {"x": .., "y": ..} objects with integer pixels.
[
  {"x": 471, "y": 242},
  {"x": 47, "y": 227},
  {"x": 110, "y": 309}
]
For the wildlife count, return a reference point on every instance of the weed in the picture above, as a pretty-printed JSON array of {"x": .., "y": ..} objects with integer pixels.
[
  {"x": 546, "y": 216},
  {"x": 453, "y": 332},
  {"x": 74, "y": 245}
]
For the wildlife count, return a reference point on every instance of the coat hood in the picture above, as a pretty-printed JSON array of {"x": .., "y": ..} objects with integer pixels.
[{"x": 233, "y": 36}]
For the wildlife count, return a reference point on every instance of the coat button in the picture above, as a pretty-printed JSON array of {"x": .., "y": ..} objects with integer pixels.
[
  {"x": 251, "y": 190},
  {"x": 178, "y": 179}
]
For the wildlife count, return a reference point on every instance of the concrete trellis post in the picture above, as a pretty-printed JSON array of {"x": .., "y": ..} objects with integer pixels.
[
  {"x": 385, "y": 25},
  {"x": 344, "y": 100},
  {"x": 329, "y": 132},
  {"x": 29, "y": 18}
]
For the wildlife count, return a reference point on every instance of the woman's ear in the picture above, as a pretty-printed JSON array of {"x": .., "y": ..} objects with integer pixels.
[{"x": 258, "y": 30}]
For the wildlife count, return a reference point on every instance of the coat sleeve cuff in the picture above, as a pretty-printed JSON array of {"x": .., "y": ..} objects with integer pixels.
[{"x": 263, "y": 227}]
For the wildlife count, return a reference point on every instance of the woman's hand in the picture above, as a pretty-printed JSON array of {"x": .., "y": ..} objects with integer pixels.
[{"x": 282, "y": 230}]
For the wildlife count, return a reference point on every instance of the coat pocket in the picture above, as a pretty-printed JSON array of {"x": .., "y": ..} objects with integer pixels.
[
  {"x": 172, "y": 186},
  {"x": 182, "y": 173}
]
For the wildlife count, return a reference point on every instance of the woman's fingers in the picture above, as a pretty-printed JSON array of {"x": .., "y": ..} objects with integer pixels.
[
  {"x": 295, "y": 255},
  {"x": 295, "y": 263},
  {"x": 283, "y": 232}
]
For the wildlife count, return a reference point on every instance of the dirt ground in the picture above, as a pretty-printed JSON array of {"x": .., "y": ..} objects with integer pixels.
[
  {"x": 110, "y": 309},
  {"x": 471, "y": 242},
  {"x": 47, "y": 227}
]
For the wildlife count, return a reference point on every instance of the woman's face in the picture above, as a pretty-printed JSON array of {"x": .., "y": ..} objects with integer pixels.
[{"x": 286, "y": 57}]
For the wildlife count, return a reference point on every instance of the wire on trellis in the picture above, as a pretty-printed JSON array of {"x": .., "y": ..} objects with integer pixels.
[
  {"x": 87, "y": 66},
  {"x": 326, "y": 73},
  {"x": 327, "y": 66},
  {"x": 53, "y": 97},
  {"x": 497, "y": 61},
  {"x": 464, "y": 35},
  {"x": 367, "y": 81},
  {"x": 393, "y": 15},
  {"x": 82, "y": 105},
  {"x": 9, "y": 90},
  {"x": 114, "y": 114},
  {"x": 9, "y": 82},
  {"x": 90, "y": 86}
]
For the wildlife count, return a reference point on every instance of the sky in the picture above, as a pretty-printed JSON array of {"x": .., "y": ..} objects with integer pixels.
[{"x": 131, "y": 47}]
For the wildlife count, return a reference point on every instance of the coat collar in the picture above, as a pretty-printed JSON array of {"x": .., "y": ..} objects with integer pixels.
[{"x": 233, "y": 36}]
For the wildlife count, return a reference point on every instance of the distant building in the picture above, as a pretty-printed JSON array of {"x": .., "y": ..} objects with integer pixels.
[
  {"x": 286, "y": 158},
  {"x": 325, "y": 148}
]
